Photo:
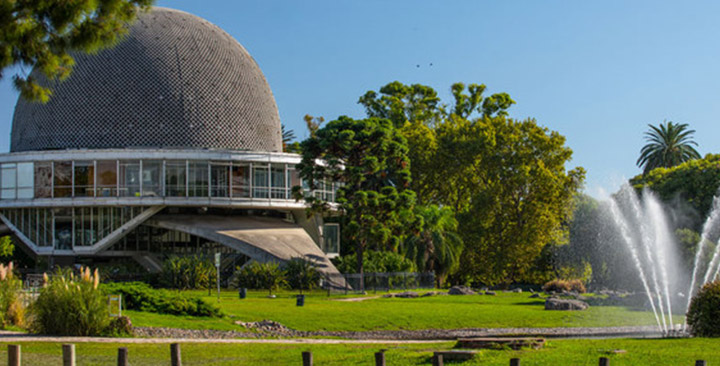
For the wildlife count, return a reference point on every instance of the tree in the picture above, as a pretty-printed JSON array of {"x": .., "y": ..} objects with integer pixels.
[
  {"x": 524, "y": 196},
  {"x": 669, "y": 144},
  {"x": 301, "y": 274},
  {"x": 287, "y": 137},
  {"x": 437, "y": 247},
  {"x": 42, "y": 34},
  {"x": 369, "y": 158}
]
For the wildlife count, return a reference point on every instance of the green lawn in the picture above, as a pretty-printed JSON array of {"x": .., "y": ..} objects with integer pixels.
[
  {"x": 441, "y": 312},
  {"x": 676, "y": 352}
]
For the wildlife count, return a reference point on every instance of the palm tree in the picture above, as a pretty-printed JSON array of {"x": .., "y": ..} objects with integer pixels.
[
  {"x": 287, "y": 136},
  {"x": 438, "y": 246},
  {"x": 669, "y": 144}
]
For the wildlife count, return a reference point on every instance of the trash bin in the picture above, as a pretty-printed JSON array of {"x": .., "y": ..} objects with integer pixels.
[
  {"x": 300, "y": 300},
  {"x": 242, "y": 292}
]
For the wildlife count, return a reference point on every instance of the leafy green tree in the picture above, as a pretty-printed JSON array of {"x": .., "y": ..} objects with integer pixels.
[
  {"x": 41, "y": 34},
  {"x": 669, "y": 144},
  {"x": 437, "y": 247},
  {"x": 7, "y": 248},
  {"x": 301, "y": 274},
  {"x": 370, "y": 159},
  {"x": 524, "y": 197}
]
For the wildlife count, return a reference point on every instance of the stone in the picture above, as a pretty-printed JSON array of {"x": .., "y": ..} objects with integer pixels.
[
  {"x": 460, "y": 290},
  {"x": 517, "y": 290},
  {"x": 491, "y": 293},
  {"x": 407, "y": 295},
  {"x": 388, "y": 295},
  {"x": 534, "y": 296},
  {"x": 563, "y": 304}
]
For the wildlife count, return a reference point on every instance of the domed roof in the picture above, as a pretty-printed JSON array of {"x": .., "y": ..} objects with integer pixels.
[{"x": 175, "y": 81}]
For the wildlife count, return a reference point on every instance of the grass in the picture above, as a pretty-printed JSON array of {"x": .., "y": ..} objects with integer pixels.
[
  {"x": 658, "y": 352},
  {"x": 441, "y": 312}
]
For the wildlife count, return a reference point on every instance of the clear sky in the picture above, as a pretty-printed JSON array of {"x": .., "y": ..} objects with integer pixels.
[{"x": 597, "y": 72}]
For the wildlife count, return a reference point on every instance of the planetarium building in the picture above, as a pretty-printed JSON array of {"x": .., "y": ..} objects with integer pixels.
[{"x": 167, "y": 144}]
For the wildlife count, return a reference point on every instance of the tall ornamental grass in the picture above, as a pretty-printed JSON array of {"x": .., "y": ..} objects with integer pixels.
[
  {"x": 70, "y": 305},
  {"x": 12, "y": 311}
]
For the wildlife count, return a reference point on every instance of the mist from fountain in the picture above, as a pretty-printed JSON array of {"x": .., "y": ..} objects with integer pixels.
[{"x": 710, "y": 224}]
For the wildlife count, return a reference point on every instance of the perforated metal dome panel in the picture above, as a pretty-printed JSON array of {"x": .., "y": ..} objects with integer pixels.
[{"x": 175, "y": 81}]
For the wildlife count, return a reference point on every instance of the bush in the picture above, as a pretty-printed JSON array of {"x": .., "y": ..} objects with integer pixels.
[
  {"x": 71, "y": 306},
  {"x": 189, "y": 272},
  {"x": 703, "y": 316},
  {"x": 141, "y": 297},
  {"x": 565, "y": 285},
  {"x": 375, "y": 261},
  {"x": 12, "y": 311},
  {"x": 301, "y": 274},
  {"x": 268, "y": 276}
]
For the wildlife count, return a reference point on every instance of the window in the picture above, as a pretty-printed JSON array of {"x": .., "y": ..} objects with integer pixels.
[
  {"x": 260, "y": 181},
  {"x": 43, "y": 180},
  {"x": 151, "y": 171},
  {"x": 84, "y": 178},
  {"x": 277, "y": 175},
  {"x": 129, "y": 178},
  {"x": 62, "y": 179},
  {"x": 175, "y": 171},
  {"x": 219, "y": 179},
  {"x": 240, "y": 181},
  {"x": 8, "y": 181},
  {"x": 331, "y": 238},
  {"x": 63, "y": 228},
  {"x": 198, "y": 179},
  {"x": 106, "y": 178}
]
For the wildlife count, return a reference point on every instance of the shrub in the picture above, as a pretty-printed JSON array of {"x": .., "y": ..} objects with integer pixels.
[
  {"x": 256, "y": 275},
  {"x": 71, "y": 306},
  {"x": 12, "y": 311},
  {"x": 301, "y": 274},
  {"x": 375, "y": 261},
  {"x": 703, "y": 316},
  {"x": 188, "y": 272},
  {"x": 565, "y": 285},
  {"x": 140, "y": 296}
]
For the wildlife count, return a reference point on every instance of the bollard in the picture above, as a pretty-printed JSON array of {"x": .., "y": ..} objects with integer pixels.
[
  {"x": 242, "y": 292},
  {"x": 700, "y": 363},
  {"x": 379, "y": 358},
  {"x": 68, "y": 351},
  {"x": 514, "y": 362},
  {"x": 300, "y": 301},
  {"x": 437, "y": 360},
  {"x": 14, "y": 355},
  {"x": 604, "y": 361},
  {"x": 123, "y": 356},
  {"x": 175, "y": 359},
  {"x": 307, "y": 358}
]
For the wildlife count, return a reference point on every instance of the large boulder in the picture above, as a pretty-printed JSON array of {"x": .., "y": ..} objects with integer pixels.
[
  {"x": 407, "y": 295},
  {"x": 461, "y": 290},
  {"x": 563, "y": 304}
]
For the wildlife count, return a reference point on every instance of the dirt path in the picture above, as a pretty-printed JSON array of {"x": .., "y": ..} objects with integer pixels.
[{"x": 357, "y": 299}]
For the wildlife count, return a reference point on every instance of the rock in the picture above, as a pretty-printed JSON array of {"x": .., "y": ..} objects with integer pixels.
[
  {"x": 388, "y": 295},
  {"x": 491, "y": 293},
  {"x": 460, "y": 290},
  {"x": 563, "y": 304},
  {"x": 534, "y": 296},
  {"x": 517, "y": 290},
  {"x": 407, "y": 295}
]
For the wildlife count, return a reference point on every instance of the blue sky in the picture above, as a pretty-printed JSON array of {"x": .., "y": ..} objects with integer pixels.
[{"x": 597, "y": 72}]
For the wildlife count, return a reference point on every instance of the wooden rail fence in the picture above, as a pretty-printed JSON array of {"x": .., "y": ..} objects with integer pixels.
[{"x": 68, "y": 357}]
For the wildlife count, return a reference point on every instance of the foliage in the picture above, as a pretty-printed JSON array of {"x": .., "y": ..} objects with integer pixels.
[
  {"x": 703, "y": 316},
  {"x": 41, "y": 34},
  {"x": 437, "y": 247},
  {"x": 12, "y": 311},
  {"x": 692, "y": 184},
  {"x": 187, "y": 272},
  {"x": 301, "y": 274},
  {"x": 669, "y": 144},
  {"x": 269, "y": 276},
  {"x": 376, "y": 262},
  {"x": 565, "y": 285},
  {"x": 70, "y": 306},
  {"x": 369, "y": 158},
  {"x": 287, "y": 137},
  {"x": 140, "y": 296},
  {"x": 7, "y": 248}
]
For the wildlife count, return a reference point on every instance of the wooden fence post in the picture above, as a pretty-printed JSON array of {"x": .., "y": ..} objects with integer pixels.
[
  {"x": 379, "y": 358},
  {"x": 604, "y": 361},
  {"x": 700, "y": 363},
  {"x": 437, "y": 360},
  {"x": 514, "y": 362},
  {"x": 68, "y": 351},
  {"x": 123, "y": 356},
  {"x": 14, "y": 355},
  {"x": 307, "y": 358},
  {"x": 175, "y": 358}
]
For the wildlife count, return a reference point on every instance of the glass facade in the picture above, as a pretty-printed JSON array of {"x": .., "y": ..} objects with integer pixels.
[{"x": 153, "y": 178}]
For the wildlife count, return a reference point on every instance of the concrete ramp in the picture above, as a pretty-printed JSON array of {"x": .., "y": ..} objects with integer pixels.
[{"x": 260, "y": 238}]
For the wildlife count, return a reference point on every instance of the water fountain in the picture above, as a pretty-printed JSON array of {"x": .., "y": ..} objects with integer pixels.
[{"x": 645, "y": 231}]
